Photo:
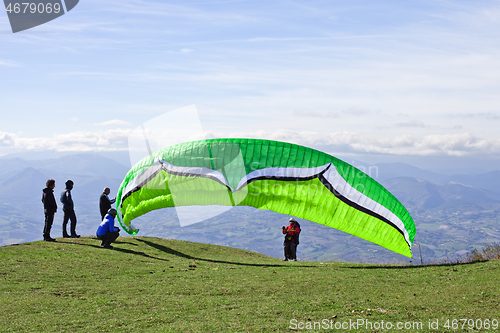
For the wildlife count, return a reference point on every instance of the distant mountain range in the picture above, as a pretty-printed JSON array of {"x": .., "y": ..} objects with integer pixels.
[
  {"x": 420, "y": 195},
  {"x": 385, "y": 171},
  {"x": 453, "y": 214}
]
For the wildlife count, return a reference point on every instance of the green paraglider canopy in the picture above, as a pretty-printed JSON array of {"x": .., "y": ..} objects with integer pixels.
[{"x": 264, "y": 174}]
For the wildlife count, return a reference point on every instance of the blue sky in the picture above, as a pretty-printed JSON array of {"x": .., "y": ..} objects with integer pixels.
[{"x": 357, "y": 78}]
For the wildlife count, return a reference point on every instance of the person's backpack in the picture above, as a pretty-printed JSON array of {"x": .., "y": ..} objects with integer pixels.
[{"x": 297, "y": 236}]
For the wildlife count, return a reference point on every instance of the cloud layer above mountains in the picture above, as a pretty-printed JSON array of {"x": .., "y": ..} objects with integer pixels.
[{"x": 460, "y": 144}]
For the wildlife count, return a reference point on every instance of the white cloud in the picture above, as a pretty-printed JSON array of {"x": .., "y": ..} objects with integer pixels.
[
  {"x": 115, "y": 122},
  {"x": 111, "y": 140},
  {"x": 482, "y": 115},
  {"x": 461, "y": 144},
  {"x": 412, "y": 123},
  {"x": 173, "y": 11},
  {"x": 352, "y": 111},
  {"x": 7, "y": 139},
  {"x": 356, "y": 111},
  {"x": 315, "y": 114},
  {"x": 7, "y": 63}
]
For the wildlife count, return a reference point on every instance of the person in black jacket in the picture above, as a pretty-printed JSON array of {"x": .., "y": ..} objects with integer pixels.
[
  {"x": 50, "y": 208},
  {"x": 105, "y": 202},
  {"x": 69, "y": 212}
]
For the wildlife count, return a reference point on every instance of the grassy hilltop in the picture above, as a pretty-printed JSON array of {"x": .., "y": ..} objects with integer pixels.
[{"x": 158, "y": 285}]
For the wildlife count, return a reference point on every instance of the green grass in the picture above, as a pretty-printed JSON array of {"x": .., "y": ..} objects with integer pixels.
[{"x": 157, "y": 285}]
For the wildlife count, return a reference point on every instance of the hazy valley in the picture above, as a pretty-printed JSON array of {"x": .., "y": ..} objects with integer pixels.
[{"x": 453, "y": 213}]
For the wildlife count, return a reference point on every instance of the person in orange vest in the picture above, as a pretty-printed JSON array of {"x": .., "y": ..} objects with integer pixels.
[{"x": 291, "y": 240}]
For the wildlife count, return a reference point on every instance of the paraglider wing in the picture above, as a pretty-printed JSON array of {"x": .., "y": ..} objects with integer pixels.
[{"x": 264, "y": 174}]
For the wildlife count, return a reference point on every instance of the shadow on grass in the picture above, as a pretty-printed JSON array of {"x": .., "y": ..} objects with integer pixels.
[
  {"x": 138, "y": 253},
  {"x": 120, "y": 242},
  {"x": 415, "y": 266},
  {"x": 116, "y": 249},
  {"x": 183, "y": 255},
  {"x": 116, "y": 241},
  {"x": 75, "y": 243}
]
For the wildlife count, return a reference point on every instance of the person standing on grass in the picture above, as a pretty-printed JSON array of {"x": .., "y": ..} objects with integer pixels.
[
  {"x": 50, "y": 208},
  {"x": 291, "y": 240},
  {"x": 107, "y": 232},
  {"x": 105, "y": 202},
  {"x": 69, "y": 211}
]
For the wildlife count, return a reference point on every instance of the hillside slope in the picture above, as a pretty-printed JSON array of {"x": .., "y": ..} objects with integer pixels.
[{"x": 157, "y": 285}]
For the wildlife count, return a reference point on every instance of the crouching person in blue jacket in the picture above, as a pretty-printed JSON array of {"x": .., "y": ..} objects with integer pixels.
[{"x": 107, "y": 232}]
